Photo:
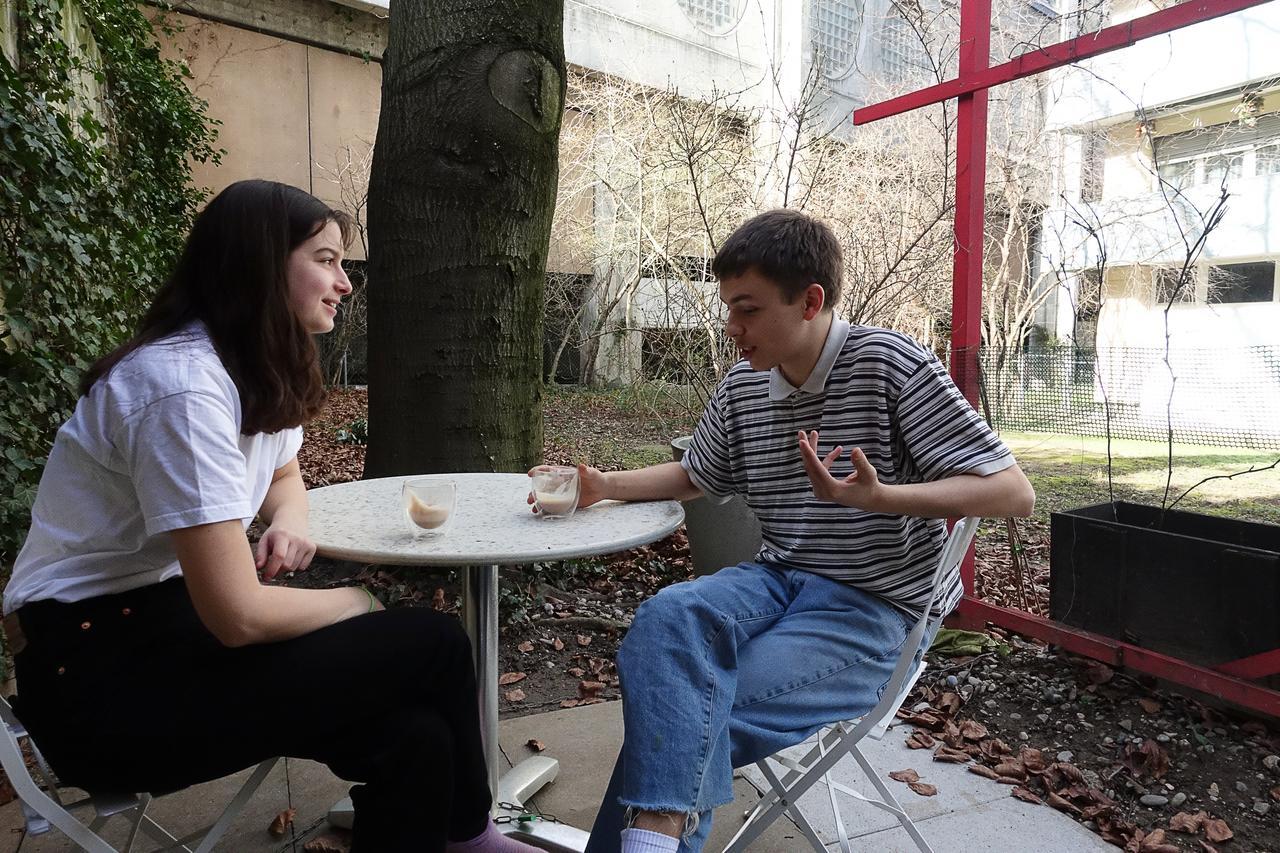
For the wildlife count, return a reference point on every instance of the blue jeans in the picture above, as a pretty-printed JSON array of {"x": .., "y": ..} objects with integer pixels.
[{"x": 724, "y": 670}]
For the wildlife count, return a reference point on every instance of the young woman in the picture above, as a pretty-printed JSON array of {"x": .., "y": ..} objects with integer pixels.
[{"x": 149, "y": 655}]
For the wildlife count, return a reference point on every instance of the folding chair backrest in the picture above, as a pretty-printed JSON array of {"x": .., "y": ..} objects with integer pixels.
[
  {"x": 906, "y": 672},
  {"x": 43, "y": 807}
]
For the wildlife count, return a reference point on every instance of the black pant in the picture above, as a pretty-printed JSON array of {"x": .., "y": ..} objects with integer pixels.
[{"x": 130, "y": 692}]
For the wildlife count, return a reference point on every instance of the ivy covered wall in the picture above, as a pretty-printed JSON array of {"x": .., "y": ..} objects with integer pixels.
[{"x": 97, "y": 134}]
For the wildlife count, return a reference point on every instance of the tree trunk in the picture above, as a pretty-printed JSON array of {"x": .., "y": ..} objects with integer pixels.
[{"x": 461, "y": 197}]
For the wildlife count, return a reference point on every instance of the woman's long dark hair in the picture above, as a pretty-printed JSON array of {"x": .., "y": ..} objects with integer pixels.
[{"x": 232, "y": 276}]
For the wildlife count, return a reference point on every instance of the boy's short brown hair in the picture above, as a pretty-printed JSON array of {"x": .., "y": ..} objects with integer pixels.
[{"x": 790, "y": 248}]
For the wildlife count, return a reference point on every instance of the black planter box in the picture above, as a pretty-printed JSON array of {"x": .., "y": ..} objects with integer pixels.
[{"x": 1193, "y": 586}]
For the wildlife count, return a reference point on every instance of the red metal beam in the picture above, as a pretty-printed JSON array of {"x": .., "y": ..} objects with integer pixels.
[
  {"x": 971, "y": 184},
  {"x": 1056, "y": 55},
  {"x": 1117, "y": 653},
  {"x": 1255, "y": 666}
]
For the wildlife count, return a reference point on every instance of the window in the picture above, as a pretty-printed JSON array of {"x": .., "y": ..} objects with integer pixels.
[
  {"x": 834, "y": 26},
  {"x": 1180, "y": 175},
  {"x": 679, "y": 267},
  {"x": 1267, "y": 160},
  {"x": 1172, "y": 286},
  {"x": 899, "y": 49},
  {"x": 1093, "y": 161},
  {"x": 1251, "y": 282},
  {"x": 713, "y": 16},
  {"x": 1223, "y": 168},
  {"x": 1089, "y": 295}
]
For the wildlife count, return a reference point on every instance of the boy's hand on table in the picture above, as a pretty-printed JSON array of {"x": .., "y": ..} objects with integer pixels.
[
  {"x": 860, "y": 490},
  {"x": 592, "y": 484}
]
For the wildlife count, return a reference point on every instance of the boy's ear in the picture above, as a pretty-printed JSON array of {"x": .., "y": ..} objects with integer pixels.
[{"x": 814, "y": 300}]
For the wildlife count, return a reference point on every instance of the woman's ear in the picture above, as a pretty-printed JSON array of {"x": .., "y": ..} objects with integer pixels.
[{"x": 814, "y": 299}]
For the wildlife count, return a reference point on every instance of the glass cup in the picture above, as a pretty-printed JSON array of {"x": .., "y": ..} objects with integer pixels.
[
  {"x": 555, "y": 490},
  {"x": 428, "y": 505}
]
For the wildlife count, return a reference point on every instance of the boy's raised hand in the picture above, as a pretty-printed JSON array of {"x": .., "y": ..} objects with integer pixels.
[
  {"x": 591, "y": 487},
  {"x": 859, "y": 490}
]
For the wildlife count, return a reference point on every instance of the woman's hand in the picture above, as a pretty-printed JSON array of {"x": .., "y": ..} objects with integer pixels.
[{"x": 281, "y": 549}]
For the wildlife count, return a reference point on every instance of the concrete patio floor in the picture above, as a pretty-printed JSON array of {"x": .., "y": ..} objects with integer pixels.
[{"x": 968, "y": 813}]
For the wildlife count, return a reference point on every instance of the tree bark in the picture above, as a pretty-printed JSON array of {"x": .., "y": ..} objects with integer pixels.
[{"x": 461, "y": 196}]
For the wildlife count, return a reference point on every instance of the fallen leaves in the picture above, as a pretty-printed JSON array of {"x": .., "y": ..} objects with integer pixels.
[
  {"x": 280, "y": 823},
  {"x": 526, "y": 646},
  {"x": 1147, "y": 759},
  {"x": 516, "y": 695},
  {"x": 510, "y": 678},
  {"x": 912, "y": 779},
  {"x": 535, "y": 744},
  {"x": 330, "y": 842},
  {"x": 1151, "y": 706},
  {"x": 584, "y": 640}
]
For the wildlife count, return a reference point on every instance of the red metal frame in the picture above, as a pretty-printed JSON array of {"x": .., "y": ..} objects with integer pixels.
[{"x": 975, "y": 76}]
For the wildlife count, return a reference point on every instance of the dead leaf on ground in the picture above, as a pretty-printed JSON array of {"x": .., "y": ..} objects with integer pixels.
[
  {"x": 526, "y": 646},
  {"x": 1153, "y": 842},
  {"x": 924, "y": 789},
  {"x": 1217, "y": 831},
  {"x": 589, "y": 689},
  {"x": 584, "y": 640},
  {"x": 1025, "y": 795},
  {"x": 950, "y": 756},
  {"x": 330, "y": 842},
  {"x": 516, "y": 695},
  {"x": 535, "y": 744},
  {"x": 1099, "y": 673},
  {"x": 1187, "y": 822},
  {"x": 557, "y": 644},
  {"x": 907, "y": 775},
  {"x": 576, "y": 671},
  {"x": 570, "y": 703},
  {"x": 1208, "y": 848},
  {"x": 983, "y": 770},
  {"x": 510, "y": 678},
  {"x": 280, "y": 824},
  {"x": 437, "y": 600},
  {"x": 921, "y": 740},
  {"x": 973, "y": 730},
  {"x": 1275, "y": 793},
  {"x": 1151, "y": 706}
]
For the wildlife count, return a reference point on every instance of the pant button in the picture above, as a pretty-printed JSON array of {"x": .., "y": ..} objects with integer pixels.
[{"x": 84, "y": 626}]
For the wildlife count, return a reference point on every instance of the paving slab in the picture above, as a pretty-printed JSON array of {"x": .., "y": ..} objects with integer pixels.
[
  {"x": 969, "y": 812},
  {"x": 586, "y": 742},
  {"x": 965, "y": 800}
]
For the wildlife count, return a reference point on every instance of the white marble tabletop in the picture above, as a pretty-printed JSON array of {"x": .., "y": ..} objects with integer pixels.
[{"x": 363, "y": 521}]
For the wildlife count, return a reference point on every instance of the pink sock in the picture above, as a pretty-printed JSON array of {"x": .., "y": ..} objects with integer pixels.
[{"x": 491, "y": 841}]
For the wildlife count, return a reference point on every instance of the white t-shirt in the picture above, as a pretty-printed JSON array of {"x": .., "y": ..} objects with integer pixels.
[{"x": 154, "y": 447}]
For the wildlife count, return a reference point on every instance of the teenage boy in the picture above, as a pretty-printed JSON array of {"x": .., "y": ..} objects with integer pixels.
[{"x": 851, "y": 444}]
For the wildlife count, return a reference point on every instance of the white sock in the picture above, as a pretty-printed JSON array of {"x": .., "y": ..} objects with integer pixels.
[{"x": 645, "y": 841}]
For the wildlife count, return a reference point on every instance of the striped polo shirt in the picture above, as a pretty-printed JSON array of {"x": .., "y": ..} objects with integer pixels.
[{"x": 871, "y": 388}]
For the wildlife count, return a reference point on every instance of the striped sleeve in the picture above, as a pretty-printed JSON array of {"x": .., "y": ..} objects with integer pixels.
[
  {"x": 707, "y": 461},
  {"x": 942, "y": 433}
]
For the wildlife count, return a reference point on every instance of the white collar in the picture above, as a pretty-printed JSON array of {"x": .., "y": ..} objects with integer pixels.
[{"x": 781, "y": 389}]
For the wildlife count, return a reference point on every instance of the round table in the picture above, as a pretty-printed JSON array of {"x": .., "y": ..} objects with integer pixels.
[{"x": 492, "y": 525}]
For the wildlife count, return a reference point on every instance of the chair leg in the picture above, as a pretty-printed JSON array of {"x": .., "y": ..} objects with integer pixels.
[
  {"x": 233, "y": 809},
  {"x": 907, "y": 823},
  {"x": 772, "y": 805}
]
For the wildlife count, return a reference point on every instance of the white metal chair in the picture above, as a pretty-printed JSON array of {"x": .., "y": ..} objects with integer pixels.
[
  {"x": 841, "y": 739},
  {"x": 43, "y": 806}
]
